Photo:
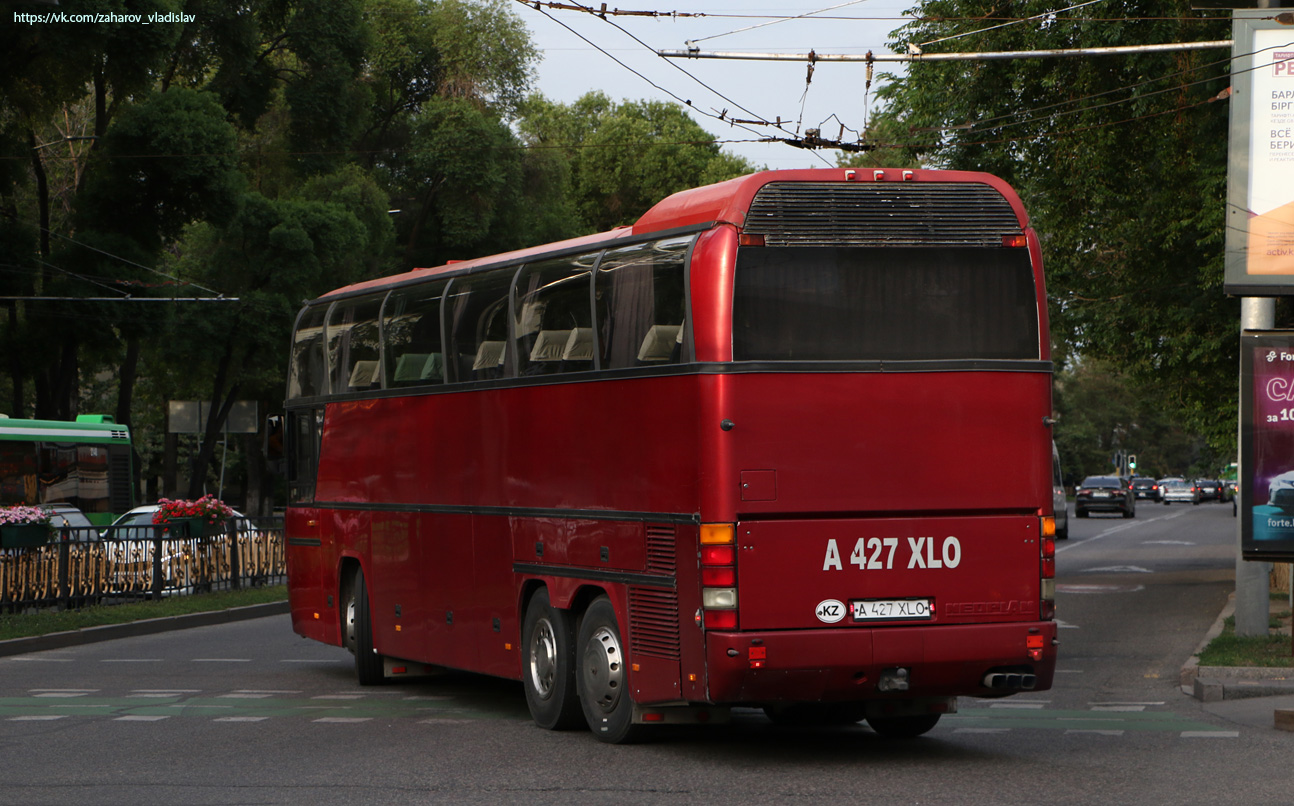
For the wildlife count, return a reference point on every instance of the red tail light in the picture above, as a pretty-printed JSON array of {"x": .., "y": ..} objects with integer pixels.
[
  {"x": 719, "y": 576},
  {"x": 1047, "y": 570}
]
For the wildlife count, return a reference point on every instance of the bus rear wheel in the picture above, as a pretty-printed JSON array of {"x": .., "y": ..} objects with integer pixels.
[
  {"x": 603, "y": 680},
  {"x": 358, "y": 634},
  {"x": 903, "y": 727},
  {"x": 548, "y": 676}
]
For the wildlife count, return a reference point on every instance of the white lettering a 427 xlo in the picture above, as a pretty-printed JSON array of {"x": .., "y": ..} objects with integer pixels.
[{"x": 878, "y": 553}]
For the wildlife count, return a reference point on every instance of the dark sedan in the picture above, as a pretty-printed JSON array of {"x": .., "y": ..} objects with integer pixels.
[
  {"x": 1104, "y": 494},
  {"x": 1145, "y": 487}
]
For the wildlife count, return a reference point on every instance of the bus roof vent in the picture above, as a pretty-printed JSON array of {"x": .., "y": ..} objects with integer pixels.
[{"x": 883, "y": 214}]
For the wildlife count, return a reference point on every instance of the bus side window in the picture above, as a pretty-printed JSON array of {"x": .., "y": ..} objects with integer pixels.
[
  {"x": 354, "y": 346},
  {"x": 477, "y": 311},
  {"x": 554, "y": 325},
  {"x": 411, "y": 327},
  {"x": 307, "y": 372},
  {"x": 642, "y": 304},
  {"x": 305, "y": 428}
]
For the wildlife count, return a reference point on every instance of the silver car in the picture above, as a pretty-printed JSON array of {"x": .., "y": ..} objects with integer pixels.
[
  {"x": 1180, "y": 491},
  {"x": 1059, "y": 504}
]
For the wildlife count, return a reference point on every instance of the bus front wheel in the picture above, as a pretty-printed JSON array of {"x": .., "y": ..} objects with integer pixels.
[
  {"x": 359, "y": 634},
  {"x": 603, "y": 679},
  {"x": 548, "y": 676}
]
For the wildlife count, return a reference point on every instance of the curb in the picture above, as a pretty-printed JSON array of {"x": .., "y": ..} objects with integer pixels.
[
  {"x": 1217, "y": 683},
  {"x": 1190, "y": 670},
  {"x": 109, "y": 632}
]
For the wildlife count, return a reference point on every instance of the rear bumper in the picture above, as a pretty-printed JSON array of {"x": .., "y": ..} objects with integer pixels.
[
  {"x": 846, "y": 664},
  {"x": 1103, "y": 505}
]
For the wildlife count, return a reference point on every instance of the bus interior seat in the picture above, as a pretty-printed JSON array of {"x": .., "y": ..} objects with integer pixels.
[
  {"x": 364, "y": 375},
  {"x": 658, "y": 345},
  {"x": 410, "y": 367},
  {"x": 433, "y": 369},
  {"x": 489, "y": 357},
  {"x": 579, "y": 346},
  {"x": 550, "y": 345}
]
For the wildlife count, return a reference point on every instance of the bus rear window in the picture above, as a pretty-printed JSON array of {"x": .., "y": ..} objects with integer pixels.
[{"x": 884, "y": 304}]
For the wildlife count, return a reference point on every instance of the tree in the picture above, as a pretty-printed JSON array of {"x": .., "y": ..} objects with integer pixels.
[
  {"x": 272, "y": 255},
  {"x": 1121, "y": 161},
  {"x": 626, "y": 157}
]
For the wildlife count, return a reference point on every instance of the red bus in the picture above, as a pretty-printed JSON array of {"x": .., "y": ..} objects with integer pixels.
[{"x": 784, "y": 443}]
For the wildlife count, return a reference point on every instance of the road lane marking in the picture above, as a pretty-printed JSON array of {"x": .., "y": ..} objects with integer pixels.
[
  {"x": 348, "y": 720},
  {"x": 1210, "y": 734},
  {"x": 140, "y": 718},
  {"x": 240, "y": 719},
  {"x": 1113, "y": 530},
  {"x": 37, "y": 718}
]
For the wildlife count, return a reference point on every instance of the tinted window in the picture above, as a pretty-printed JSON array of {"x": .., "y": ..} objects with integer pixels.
[
  {"x": 1102, "y": 481},
  {"x": 898, "y": 303},
  {"x": 477, "y": 312},
  {"x": 412, "y": 331},
  {"x": 642, "y": 304},
  {"x": 554, "y": 310},
  {"x": 307, "y": 372},
  {"x": 305, "y": 429},
  {"x": 354, "y": 345}
]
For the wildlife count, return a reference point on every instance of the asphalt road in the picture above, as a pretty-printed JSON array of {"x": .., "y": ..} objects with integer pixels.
[{"x": 250, "y": 713}]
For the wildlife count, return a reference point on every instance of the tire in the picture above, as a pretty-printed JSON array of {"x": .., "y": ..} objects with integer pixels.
[
  {"x": 603, "y": 681},
  {"x": 357, "y": 634},
  {"x": 1081, "y": 513},
  {"x": 1062, "y": 533},
  {"x": 816, "y": 714},
  {"x": 1130, "y": 513},
  {"x": 903, "y": 727},
  {"x": 548, "y": 665}
]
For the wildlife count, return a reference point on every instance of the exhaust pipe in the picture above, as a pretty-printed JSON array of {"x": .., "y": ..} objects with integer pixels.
[{"x": 1010, "y": 681}]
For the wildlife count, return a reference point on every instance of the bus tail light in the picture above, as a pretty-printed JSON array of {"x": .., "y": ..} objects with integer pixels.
[
  {"x": 1047, "y": 570},
  {"x": 719, "y": 576}
]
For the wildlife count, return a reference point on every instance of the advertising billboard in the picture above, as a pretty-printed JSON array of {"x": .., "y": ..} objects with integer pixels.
[
  {"x": 1266, "y": 473},
  {"x": 1260, "y": 174}
]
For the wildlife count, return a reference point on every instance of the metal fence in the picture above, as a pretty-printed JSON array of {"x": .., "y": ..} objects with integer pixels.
[{"x": 82, "y": 567}]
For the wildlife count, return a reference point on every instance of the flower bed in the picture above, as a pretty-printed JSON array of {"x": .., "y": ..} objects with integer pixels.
[
  {"x": 23, "y": 527},
  {"x": 194, "y": 517}
]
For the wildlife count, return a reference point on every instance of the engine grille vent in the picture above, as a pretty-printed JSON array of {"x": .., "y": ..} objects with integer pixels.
[
  {"x": 661, "y": 550},
  {"x": 653, "y": 622},
  {"x": 881, "y": 214}
]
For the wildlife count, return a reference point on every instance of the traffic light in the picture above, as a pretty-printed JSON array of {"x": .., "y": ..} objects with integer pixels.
[{"x": 1132, "y": 462}]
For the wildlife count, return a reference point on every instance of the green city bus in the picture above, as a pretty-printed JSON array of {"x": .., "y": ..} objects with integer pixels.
[{"x": 86, "y": 463}]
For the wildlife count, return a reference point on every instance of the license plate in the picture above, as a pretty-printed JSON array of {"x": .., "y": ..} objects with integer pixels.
[
  {"x": 891, "y": 609},
  {"x": 1100, "y": 495}
]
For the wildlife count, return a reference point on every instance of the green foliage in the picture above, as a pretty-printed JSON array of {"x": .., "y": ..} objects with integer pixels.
[
  {"x": 1121, "y": 161},
  {"x": 1100, "y": 410},
  {"x": 626, "y": 157},
  {"x": 166, "y": 161}
]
